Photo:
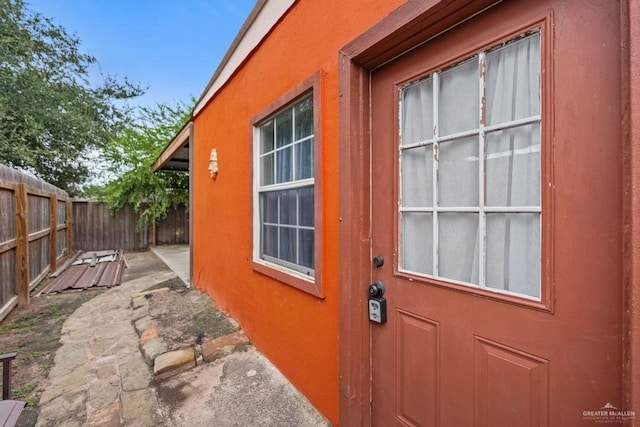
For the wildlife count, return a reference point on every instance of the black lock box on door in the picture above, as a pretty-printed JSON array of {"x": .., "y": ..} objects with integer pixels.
[{"x": 377, "y": 303}]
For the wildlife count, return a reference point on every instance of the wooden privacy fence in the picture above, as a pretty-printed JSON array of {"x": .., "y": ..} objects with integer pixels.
[
  {"x": 39, "y": 224},
  {"x": 96, "y": 228},
  {"x": 35, "y": 232}
]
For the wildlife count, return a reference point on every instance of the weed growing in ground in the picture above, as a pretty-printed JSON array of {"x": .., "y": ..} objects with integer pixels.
[
  {"x": 24, "y": 391},
  {"x": 32, "y": 401},
  {"x": 38, "y": 354}
]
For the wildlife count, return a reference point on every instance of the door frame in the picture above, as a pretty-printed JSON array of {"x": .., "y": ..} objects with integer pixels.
[{"x": 409, "y": 26}]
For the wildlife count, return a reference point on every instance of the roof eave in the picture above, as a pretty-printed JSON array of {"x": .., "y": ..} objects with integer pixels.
[{"x": 178, "y": 142}]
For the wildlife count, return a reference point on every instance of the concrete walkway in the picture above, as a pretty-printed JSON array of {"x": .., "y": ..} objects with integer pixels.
[
  {"x": 177, "y": 259},
  {"x": 100, "y": 378}
]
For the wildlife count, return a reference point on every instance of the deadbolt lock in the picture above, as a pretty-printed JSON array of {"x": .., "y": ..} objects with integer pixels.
[{"x": 378, "y": 261}]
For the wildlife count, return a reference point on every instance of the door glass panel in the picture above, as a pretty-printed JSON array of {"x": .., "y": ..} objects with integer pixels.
[
  {"x": 513, "y": 167},
  {"x": 458, "y": 172},
  {"x": 513, "y": 81},
  {"x": 513, "y": 253},
  {"x": 459, "y": 98},
  {"x": 458, "y": 242},
  {"x": 417, "y": 108},
  {"x": 417, "y": 177},
  {"x": 475, "y": 238},
  {"x": 417, "y": 238}
]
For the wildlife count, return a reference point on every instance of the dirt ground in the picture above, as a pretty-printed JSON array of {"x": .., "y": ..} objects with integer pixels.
[
  {"x": 186, "y": 318},
  {"x": 34, "y": 333}
]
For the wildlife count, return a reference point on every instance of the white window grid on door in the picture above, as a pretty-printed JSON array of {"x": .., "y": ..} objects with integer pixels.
[
  {"x": 280, "y": 185},
  {"x": 482, "y": 209}
]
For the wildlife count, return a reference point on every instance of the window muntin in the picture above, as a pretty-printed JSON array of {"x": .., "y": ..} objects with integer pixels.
[
  {"x": 286, "y": 188},
  {"x": 470, "y": 197}
]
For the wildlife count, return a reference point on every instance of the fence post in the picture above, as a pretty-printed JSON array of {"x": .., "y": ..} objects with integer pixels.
[
  {"x": 22, "y": 250},
  {"x": 69, "y": 225},
  {"x": 53, "y": 237}
]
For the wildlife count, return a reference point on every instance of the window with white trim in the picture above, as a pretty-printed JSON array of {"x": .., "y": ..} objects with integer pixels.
[
  {"x": 285, "y": 191},
  {"x": 470, "y": 197}
]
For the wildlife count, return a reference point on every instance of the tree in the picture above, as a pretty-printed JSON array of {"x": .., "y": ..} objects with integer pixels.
[
  {"x": 51, "y": 117},
  {"x": 130, "y": 157}
]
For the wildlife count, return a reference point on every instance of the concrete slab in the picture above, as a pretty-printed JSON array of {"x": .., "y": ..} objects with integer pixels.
[
  {"x": 177, "y": 258},
  {"x": 242, "y": 389}
]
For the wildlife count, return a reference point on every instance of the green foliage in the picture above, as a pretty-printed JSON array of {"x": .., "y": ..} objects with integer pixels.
[
  {"x": 51, "y": 117},
  {"x": 130, "y": 157},
  {"x": 22, "y": 392}
]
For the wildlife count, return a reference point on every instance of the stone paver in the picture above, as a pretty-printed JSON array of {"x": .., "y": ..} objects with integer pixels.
[
  {"x": 223, "y": 346},
  {"x": 144, "y": 323},
  {"x": 100, "y": 377},
  {"x": 174, "y": 362},
  {"x": 153, "y": 349},
  {"x": 99, "y": 364}
]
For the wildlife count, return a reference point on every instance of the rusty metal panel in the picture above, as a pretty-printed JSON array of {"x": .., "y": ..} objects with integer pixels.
[{"x": 83, "y": 274}]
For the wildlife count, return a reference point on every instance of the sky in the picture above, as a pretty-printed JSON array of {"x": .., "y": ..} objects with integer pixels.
[{"x": 172, "y": 47}]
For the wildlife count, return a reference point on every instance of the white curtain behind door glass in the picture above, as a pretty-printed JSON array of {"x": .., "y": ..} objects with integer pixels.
[
  {"x": 513, "y": 167},
  {"x": 417, "y": 112},
  {"x": 511, "y": 179}
]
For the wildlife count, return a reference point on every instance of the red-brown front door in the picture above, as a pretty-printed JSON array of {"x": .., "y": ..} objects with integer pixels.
[{"x": 496, "y": 207}]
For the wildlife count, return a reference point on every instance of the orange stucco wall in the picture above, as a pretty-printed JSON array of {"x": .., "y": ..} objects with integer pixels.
[{"x": 296, "y": 331}]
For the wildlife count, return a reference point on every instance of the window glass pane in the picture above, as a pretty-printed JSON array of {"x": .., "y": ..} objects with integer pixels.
[
  {"x": 266, "y": 137},
  {"x": 417, "y": 177},
  {"x": 458, "y": 247},
  {"x": 458, "y": 172},
  {"x": 306, "y": 248},
  {"x": 269, "y": 205},
  {"x": 288, "y": 244},
  {"x": 284, "y": 172},
  {"x": 305, "y": 195},
  {"x": 270, "y": 241},
  {"x": 287, "y": 227},
  {"x": 459, "y": 98},
  {"x": 417, "y": 242},
  {"x": 288, "y": 207},
  {"x": 284, "y": 128},
  {"x": 513, "y": 81},
  {"x": 513, "y": 167},
  {"x": 513, "y": 253},
  {"x": 304, "y": 159},
  {"x": 304, "y": 118},
  {"x": 266, "y": 169},
  {"x": 417, "y": 112}
]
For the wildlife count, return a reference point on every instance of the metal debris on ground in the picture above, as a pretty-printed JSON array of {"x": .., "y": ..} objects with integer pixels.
[{"x": 88, "y": 270}]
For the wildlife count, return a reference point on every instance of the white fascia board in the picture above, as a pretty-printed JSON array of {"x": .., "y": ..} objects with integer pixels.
[{"x": 256, "y": 31}]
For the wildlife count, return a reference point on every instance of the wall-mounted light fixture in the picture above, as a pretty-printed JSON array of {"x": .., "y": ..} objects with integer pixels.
[{"x": 213, "y": 163}]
